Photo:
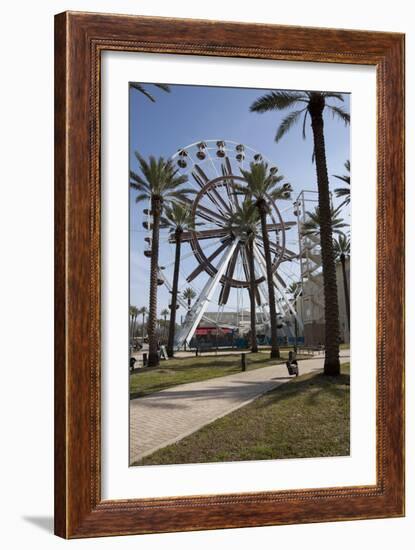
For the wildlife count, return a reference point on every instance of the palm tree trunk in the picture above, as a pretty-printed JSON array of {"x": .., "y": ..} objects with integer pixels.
[
  {"x": 345, "y": 288},
  {"x": 143, "y": 327},
  {"x": 331, "y": 307},
  {"x": 153, "y": 357},
  {"x": 250, "y": 250},
  {"x": 275, "y": 351},
  {"x": 164, "y": 329},
  {"x": 172, "y": 326}
]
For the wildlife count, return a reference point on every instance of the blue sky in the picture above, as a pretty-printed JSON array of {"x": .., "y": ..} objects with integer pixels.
[{"x": 190, "y": 114}]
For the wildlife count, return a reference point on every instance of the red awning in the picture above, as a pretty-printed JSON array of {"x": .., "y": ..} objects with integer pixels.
[{"x": 203, "y": 331}]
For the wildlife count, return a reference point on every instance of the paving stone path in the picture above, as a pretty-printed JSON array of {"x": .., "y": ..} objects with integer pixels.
[{"x": 162, "y": 418}]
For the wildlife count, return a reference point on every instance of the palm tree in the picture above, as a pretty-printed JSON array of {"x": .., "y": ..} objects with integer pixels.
[
  {"x": 164, "y": 314},
  {"x": 344, "y": 191},
  {"x": 158, "y": 183},
  {"x": 313, "y": 223},
  {"x": 244, "y": 222},
  {"x": 341, "y": 247},
  {"x": 143, "y": 311},
  {"x": 188, "y": 294},
  {"x": 314, "y": 104},
  {"x": 179, "y": 218},
  {"x": 140, "y": 88},
  {"x": 133, "y": 315},
  {"x": 262, "y": 184}
]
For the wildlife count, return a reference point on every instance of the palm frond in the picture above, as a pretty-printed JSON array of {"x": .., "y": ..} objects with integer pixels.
[
  {"x": 137, "y": 182},
  {"x": 142, "y": 90},
  {"x": 341, "y": 245},
  {"x": 281, "y": 193},
  {"x": 164, "y": 87},
  {"x": 142, "y": 197},
  {"x": 334, "y": 95},
  {"x": 173, "y": 181},
  {"x": 181, "y": 191},
  {"x": 342, "y": 192},
  {"x": 340, "y": 113},
  {"x": 312, "y": 224},
  {"x": 346, "y": 179},
  {"x": 304, "y": 121},
  {"x": 276, "y": 101},
  {"x": 287, "y": 123}
]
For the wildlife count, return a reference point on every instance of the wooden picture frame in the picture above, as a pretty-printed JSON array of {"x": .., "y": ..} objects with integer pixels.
[{"x": 79, "y": 40}]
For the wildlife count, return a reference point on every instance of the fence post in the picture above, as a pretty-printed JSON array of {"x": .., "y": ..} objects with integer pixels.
[
  {"x": 144, "y": 359},
  {"x": 243, "y": 362}
]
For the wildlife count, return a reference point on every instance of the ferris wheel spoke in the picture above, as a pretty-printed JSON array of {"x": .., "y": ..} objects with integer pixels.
[
  {"x": 227, "y": 171},
  {"x": 186, "y": 256},
  {"x": 207, "y": 214},
  {"x": 213, "y": 194},
  {"x": 230, "y": 191},
  {"x": 201, "y": 235},
  {"x": 209, "y": 194},
  {"x": 202, "y": 266},
  {"x": 226, "y": 287},
  {"x": 276, "y": 249},
  {"x": 275, "y": 274},
  {"x": 279, "y": 226}
]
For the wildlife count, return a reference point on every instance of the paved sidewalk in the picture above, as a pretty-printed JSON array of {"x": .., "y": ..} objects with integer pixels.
[{"x": 167, "y": 416}]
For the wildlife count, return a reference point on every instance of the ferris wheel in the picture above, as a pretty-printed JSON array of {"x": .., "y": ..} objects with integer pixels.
[{"x": 215, "y": 260}]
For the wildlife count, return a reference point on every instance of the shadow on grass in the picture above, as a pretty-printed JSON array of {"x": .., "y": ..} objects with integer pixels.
[
  {"x": 155, "y": 379},
  {"x": 318, "y": 382},
  {"x": 209, "y": 361}
]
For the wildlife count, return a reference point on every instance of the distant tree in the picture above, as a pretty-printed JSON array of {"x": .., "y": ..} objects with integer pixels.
[
  {"x": 312, "y": 225},
  {"x": 164, "y": 314},
  {"x": 341, "y": 247},
  {"x": 178, "y": 217},
  {"x": 189, "y": 294},
  {"x": 143, "y": 311},
  {"x": 133, "y": 317}
]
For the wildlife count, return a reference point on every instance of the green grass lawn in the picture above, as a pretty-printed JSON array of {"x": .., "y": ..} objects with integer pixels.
[
  {"x": 194, "y": 369},
  {"x": 306, "y": 417}
]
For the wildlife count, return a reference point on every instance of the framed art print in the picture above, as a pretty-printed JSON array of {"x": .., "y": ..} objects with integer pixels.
[{"x": 229, "y": 275}]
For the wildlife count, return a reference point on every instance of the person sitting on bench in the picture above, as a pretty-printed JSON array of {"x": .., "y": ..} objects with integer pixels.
[
  {"x": 292, "y": 364},
  {"x": 133, "y": 361}
]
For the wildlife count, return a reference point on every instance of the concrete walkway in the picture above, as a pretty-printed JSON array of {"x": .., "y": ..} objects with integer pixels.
[{"x": 167, "y": 416}]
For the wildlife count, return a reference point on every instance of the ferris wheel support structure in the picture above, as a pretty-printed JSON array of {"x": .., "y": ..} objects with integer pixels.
[{"x": 195, "y": 314}]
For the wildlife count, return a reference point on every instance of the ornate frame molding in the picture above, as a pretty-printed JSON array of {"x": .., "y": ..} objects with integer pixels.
[{"x": 79, "y": 40}]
